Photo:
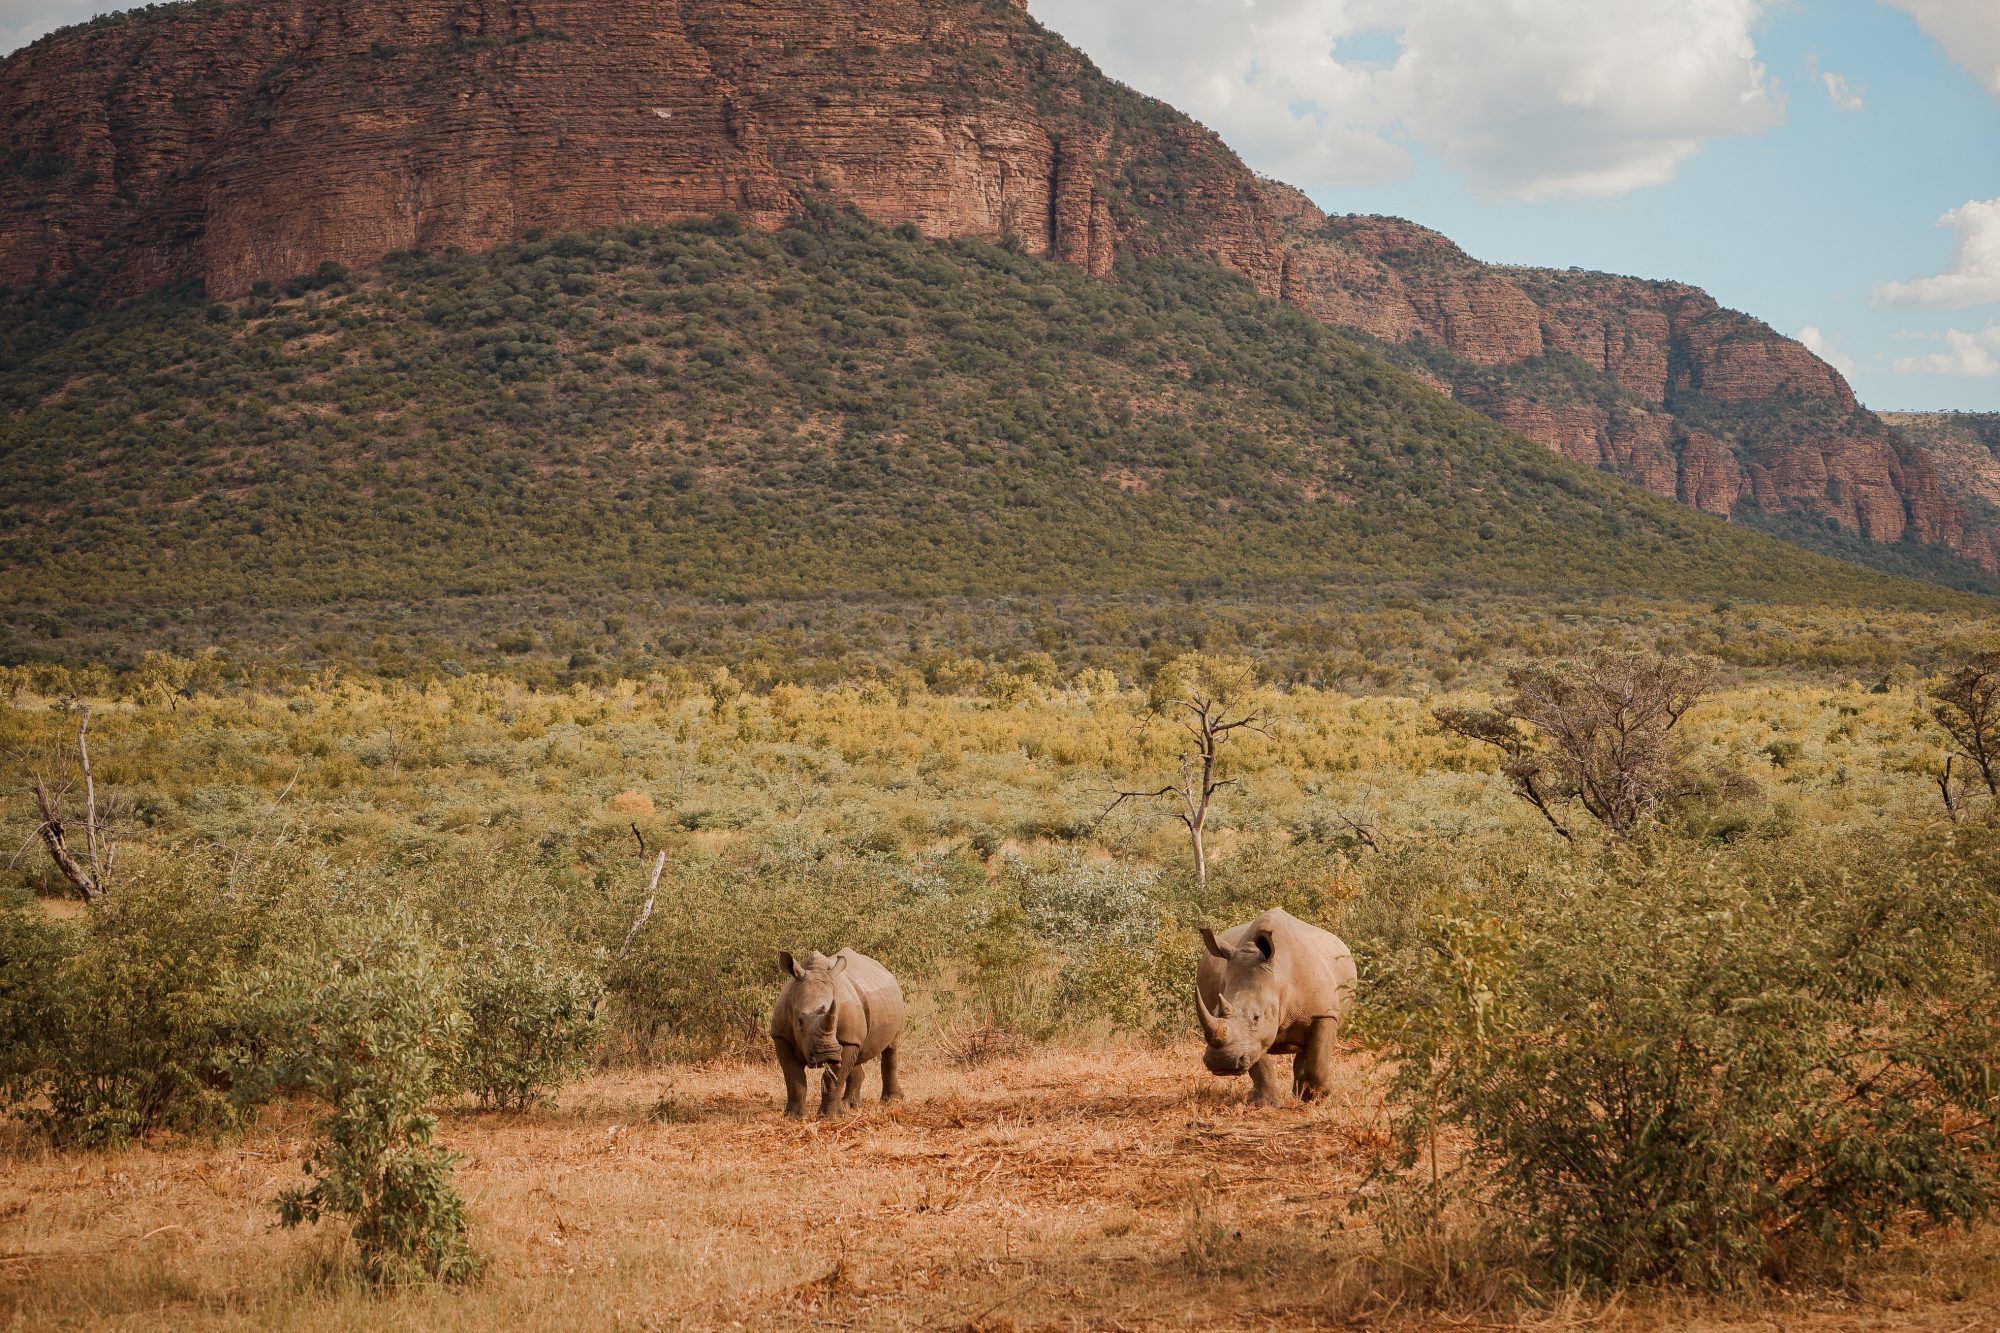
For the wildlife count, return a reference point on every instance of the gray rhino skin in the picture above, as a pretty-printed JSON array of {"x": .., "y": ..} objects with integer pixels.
[
  {"x": 1273, "y": 986},
  {"x": 836, "y": 1013}
]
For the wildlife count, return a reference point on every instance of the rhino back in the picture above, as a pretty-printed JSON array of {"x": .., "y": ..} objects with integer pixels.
[
  {"x": 1321, "y": 976},
  {"x": 877, "y": 998},
  {"x": 1315, "y": 968}
]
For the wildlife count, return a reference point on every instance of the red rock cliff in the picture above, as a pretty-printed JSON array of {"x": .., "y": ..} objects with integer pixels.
[
  {"x": 242, "y": 142},
  {"x": 1652, "y": 380},
  {"x": 258, "y": 140}
]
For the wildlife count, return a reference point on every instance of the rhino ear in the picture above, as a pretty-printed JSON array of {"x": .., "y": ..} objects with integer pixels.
[
  {"x": 1263, "y": 943},
  {"x": 1214, "y": 945},
  {"x": 787, "y": 964},
  {"x": 839, "y": 963}
]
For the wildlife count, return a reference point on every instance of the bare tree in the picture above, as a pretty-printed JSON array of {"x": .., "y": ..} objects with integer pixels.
[
  {"x": 1951, "y": 787},
  {"x": 91, "y": 876},
  {"x": 1209, "y": 700},
  {"x": 638, "y": 922},
  {"x": 1966, "y": 703},
  {"x": 1600, "y": 732}
]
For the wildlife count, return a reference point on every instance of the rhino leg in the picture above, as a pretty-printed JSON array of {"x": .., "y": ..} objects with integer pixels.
[
  {"x": 795, "y": 1079},
  {"x": 892, "y": 1088},
  {"x": 1264, "y": 1089},
  {"x": 1313, "y": 1069},
  {"x": 834, "y": 1083},
  {"x": 857, "y": 1074}
]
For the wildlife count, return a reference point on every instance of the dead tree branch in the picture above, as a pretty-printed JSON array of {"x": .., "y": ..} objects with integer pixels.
[
  {"x": 645, "y": 912},
  {"x": 90, "y": 878},
  {"x": 632, "y": 933},
  {"x": 1200, "y": 705}
]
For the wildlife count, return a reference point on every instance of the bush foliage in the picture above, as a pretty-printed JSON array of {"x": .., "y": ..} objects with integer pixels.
[
  {"x": 1729, "y": 1041},
  {"x": 1705, "y": 1067},
  {"x": 367, "y": 1023}
]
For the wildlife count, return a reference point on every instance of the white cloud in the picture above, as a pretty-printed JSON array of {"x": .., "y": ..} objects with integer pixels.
[
  {"x": 1823, "y": 347},
  {"x": 1975, "y": 355},
  {"x": 1968, "y": 30},
  {"x": 1974, "y": 275},
  {"x": 1529, "y": 98},
  {"x": 1840, "y": 92}
]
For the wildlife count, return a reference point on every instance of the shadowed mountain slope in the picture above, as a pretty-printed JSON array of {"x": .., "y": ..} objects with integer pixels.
[{"x": 831, "y": 406}]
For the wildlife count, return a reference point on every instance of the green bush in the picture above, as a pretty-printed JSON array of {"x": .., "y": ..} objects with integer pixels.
[
  {"x": 1070, "y": 943},
  {"x": 1702, "y": 1067},
  {"x": 530, "y": 1023},
  {"x": 120, "y": 1025},
  {"x": 366, "y": 1020}
]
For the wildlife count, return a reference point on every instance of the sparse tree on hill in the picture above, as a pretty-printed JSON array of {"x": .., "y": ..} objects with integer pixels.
[
  {"x": 1966, "y": 703},
  {"x": 1600, "y": 733},
  {"x": 1209, "y": 699}
]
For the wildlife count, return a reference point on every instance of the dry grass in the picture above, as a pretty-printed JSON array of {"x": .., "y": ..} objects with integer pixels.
[{"x": 1110, "y": 1189}]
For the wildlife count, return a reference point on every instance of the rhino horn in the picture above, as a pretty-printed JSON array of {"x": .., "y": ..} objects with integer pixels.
[
  {"x": 1214, "y": 945},
  {"x": 787, "y": 965},
  {"x": 1211, "y": 1024}
]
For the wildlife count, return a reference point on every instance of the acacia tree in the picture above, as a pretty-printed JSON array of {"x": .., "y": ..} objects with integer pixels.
[
  {"x": 1209, "y": 699},
  {"x": 90, "y": 876},
  {"x": 1966, "y": 703},
  {"x": 1599, "y": 732}
]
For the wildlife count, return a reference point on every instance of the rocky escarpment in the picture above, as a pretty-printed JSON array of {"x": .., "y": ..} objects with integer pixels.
[
  {"x": 1652, "y": 380},
  {"x": 1964, "y": 450},
  {"x": 243, "y": 141},
  {"x": 249, "y": 142}
]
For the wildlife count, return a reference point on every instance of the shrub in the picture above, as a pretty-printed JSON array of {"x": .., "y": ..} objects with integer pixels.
[
  {"x": 1094, "y": 924},
  {"x": 529, "y": 1024},
  {"x": 120, "y": 1025},
  {"x": 366, "y": 1021},
  {"x": 1703, "y": 1069},
  {"x": 1966, "y": 704},
  {"x": 1601, "y": 733}
]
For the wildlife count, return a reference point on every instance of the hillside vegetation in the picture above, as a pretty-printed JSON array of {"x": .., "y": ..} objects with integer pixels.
[{"x": 705, "y": 411}]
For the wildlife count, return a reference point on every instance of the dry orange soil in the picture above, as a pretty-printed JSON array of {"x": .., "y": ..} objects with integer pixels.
[{"x": 1114, "y": 1189}]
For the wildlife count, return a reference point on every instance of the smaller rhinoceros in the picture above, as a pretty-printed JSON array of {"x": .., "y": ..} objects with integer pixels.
[
  {"x": 1273, "y": 986},
  {"x": 837, "y": 1013}
]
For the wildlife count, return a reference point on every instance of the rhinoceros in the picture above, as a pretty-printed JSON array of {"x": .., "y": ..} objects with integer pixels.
[
  {"x": 836, "y": 1013},
  {"x": 1273, "y": 986}
]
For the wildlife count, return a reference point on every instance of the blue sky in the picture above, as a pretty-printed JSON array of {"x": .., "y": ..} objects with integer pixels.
[{"x": 1794, "y": 157}]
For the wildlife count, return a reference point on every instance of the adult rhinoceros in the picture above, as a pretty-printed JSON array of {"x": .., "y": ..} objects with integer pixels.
[
  {"x": 837, "y": 1013},
  {"x": 1273, "y": 986}
]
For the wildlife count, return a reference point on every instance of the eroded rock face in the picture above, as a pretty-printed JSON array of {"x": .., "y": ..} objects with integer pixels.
[
  {"x": 255, "y": 141},
  {"x": 1963, "y": 448},
  {"x": 1651, "y": 380}
]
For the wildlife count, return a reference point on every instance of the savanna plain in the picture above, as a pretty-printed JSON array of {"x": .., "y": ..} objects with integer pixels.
[{"x": 438, "y": 1001}]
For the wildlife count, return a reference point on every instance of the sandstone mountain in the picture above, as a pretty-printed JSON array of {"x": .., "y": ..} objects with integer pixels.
[
  {"x": 1964, "y": 447},
  {"x": 1651, "y": 380},
  {"x": 240, "y": 142}
]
